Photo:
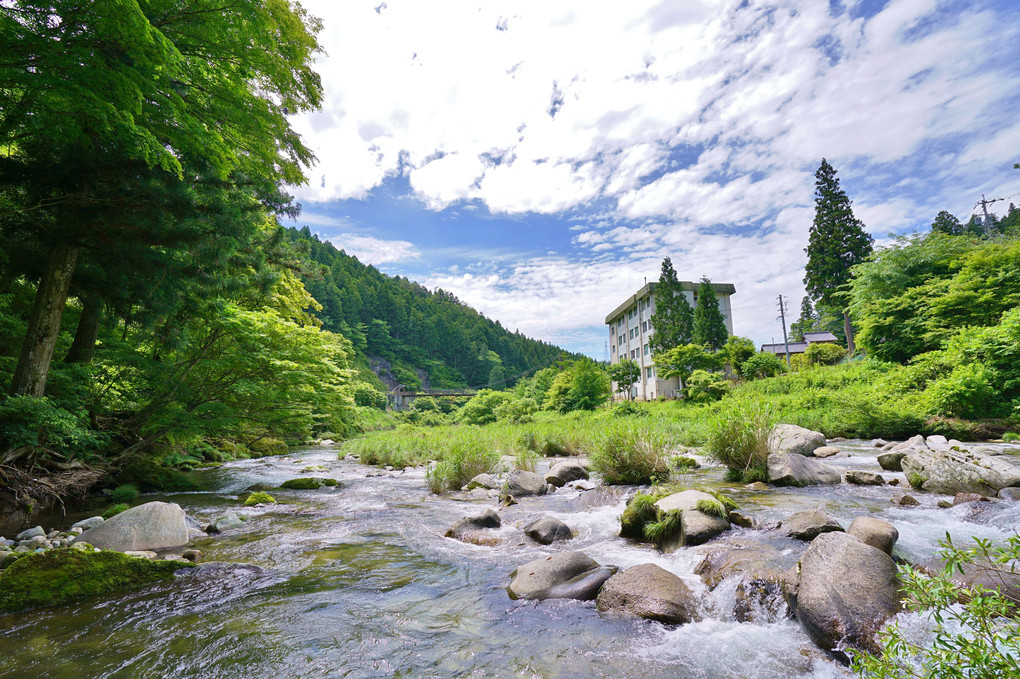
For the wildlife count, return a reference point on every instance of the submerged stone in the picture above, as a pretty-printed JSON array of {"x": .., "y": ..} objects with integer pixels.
[{"x": 66, "y": 575}]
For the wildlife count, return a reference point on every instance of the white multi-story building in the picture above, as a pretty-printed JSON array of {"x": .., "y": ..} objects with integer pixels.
[{"x": 630, "y": 326}]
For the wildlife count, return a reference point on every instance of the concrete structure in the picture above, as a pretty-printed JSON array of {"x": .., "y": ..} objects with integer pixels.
[
  {"x": 630, "y": 327},
  {"x": 823, "y": 337}
]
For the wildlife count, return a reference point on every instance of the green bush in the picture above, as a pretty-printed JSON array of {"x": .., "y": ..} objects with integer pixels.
[
  {"x": 424, "y": 404},
  {"x": 481, "y": 409},
  {"x": 824, "y": 353},
  {"x": 38, "y": 427},
  {"x": 966, "y": 392},
  {"x": 738, "y": 438},
  {"x": 123, "y": 494},
  {"x": 705, "y": 387},
  {"x": 629, "y": 409},
  {"x": 665, "y": 528},
  {"x": 583, "y": 386},
  {"x": 761, "y": 365},
  {"x": 1010, "y": 437},
  {"x": 626, "y": 455},
  {"x": 367, "y": 396},
  {"x": 517, "y": 411}
]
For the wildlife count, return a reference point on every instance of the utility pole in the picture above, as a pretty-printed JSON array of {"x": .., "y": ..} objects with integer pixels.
[
  {"x": 984, "y": 208},
  {"x": 782, "y": 317}
]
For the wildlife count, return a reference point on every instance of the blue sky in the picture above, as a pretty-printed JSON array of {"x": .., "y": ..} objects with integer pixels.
[{"x": 540, "y": 159}]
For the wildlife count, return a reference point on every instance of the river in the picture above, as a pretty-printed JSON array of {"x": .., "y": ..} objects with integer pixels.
[{"x": 359, "y": 582}]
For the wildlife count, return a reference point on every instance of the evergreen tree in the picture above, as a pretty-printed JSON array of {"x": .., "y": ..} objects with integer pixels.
[
  {"x": 806, "y": 323},
  {"x": 709, "y": 324},
  {"x": 946, "y": 222},
  {"x": 837, "y": 242},
  {"x": 673, "y": 319}
]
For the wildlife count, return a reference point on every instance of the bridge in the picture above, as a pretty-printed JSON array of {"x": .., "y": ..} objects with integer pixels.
[{"x": 401, "y": 396}]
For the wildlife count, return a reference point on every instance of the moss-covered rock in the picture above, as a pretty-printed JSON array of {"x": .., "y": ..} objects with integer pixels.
[
  {"x": 63, "y": 575},
  {"x": 639, "y": 511},
  {"x": 331, "y": 483},
  {"x": 305, "y": 483},
  {"x": 259, "y": 499}
]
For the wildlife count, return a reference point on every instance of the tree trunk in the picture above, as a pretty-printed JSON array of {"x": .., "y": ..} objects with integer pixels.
[
  {"x": 44, "y": 325},
  {"x": 851, "y": 348},
  {"x": 84, "y": 346}
]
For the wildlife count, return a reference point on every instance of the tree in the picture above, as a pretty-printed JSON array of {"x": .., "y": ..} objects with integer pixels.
[
  {"x": 946, "y": 222},
  {"x": 709, "y": 324},
  {"x": 624, "y": 374},
  {"x": 837, "y": 242},
  {"x": 681, "y": 361},
  {"x": 584, "y": 385},
  {"x": 736, "y": 351},
  {"x": 673, "y": 320},
  {"x": 761, "y": 365},
  {"x": 95, "y": 94},
  {"x": 807, "y": 321}
]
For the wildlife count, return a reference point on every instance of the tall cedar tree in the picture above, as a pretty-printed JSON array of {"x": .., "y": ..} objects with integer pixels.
[
  {"x": 709, "y": 324},
  {"x": 673, "y": 320},
  {"x": 837, "y": 243},
  {"x": 807, "y": 321}
]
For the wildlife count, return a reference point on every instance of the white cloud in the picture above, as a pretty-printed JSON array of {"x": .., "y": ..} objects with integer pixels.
[{"x": 371, "y": 250}]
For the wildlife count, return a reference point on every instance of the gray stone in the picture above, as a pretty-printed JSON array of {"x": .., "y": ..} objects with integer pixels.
[
  {"x": 192, "y": 555},
  {"x": 1009, "y": 494},
  {"x": 696, "y": 527},
  {"x": 891, "y": 461},
  {"x": 521, "y": 483},
  {"x": 566, "y": 575},
  {"x": 26, "y": 535},
  {"x": 38, "y": 542},
  {"x": 651, "y": 592},
  {"x": 808, "y": 525},
  {"x": 962, "y": 498},
  {"x": 914, "y": 443},
  {"x": 937, "y": 442},
  {"x": 846, "y": 590},
  {"x": 739, "y": 519},
  {"x": 563, "y": 473},
  {"x": 789, "y": 438},
  {"x": 192, "y": 522},
  {"x": 196, "y": 534},
  {"x": 465, "y": 528},
  {"x": 826, "y": 451},
  {"x": 151, "y": 526},
  {"x": 487, "y": 481},
  {"x": 875, "y": 532},
  {"x": 879, "y": 443},
  {"x": 860, "y": 478},
  {"x": 958, "y": 471},
  {"x": 887, "y": 447},
  {"x": 944, "y": 504},
  {"x": 905, "y": 500},
  {"x": 548, "y": 530},
  {"x": 226, "y": 522},
  {"x": 796, "y": 470}
]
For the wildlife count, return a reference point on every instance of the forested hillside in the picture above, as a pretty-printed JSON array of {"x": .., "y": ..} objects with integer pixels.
[{"x": 428, "y": 338}]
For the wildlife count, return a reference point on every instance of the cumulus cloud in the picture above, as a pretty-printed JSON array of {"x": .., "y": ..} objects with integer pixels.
[{"x": 371, "y": 250}]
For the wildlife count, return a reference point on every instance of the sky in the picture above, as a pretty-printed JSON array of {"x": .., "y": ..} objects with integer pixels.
[{"x": 539, "y": 159}]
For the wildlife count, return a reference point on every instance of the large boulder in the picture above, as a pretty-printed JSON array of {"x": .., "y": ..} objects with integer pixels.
[
  {"x": 845, "y": 591},
  {"x": 521, "y": 483},
  {"x": 696, "y": 525},
  {"x": 796, "y": 470},
  {"x": 960, "y": 471},
  {"x": 808, "y": 525},
  {"x": 562, "y": 473},
  {"x": 913, "y": 444},
  {"x": 875, "y": 532},
  {"x": 548, "y": 530},
  {"x": 567, "y": 575},
  {"x": 474, "y": 529},
  {"x": 151, "y": 526},
  {"x": 649, "y": 591},
  {"x": 789, "y": 438}
]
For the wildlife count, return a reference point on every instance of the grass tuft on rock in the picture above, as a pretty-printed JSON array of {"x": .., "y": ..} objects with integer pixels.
[
  {"x": 640, "y": 511},
  {"x": 259, "y": 499},
  {"x": 665, "y": 529},
  {"x": 915, "y": 480},
  {"x": 61, "y": 576},
  {"x": 712, "y": 508},
  {"x": 114, "y": 510}
]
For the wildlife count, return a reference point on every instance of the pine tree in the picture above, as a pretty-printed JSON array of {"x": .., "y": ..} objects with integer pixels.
[
  {"x": 806, "y": 323},
  {"x": 709, "y": 324},
  {"x": 673, "y": 319},
  {"x": 836, "y": 243}
]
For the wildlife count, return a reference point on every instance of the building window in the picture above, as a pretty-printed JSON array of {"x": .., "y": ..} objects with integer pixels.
[
  {"x": 620, "y": 340},
  {"x": 648, "y": 372},
  {"x": 644, "y": 327},
  {"x": 612, "y": 349},
  {"x": 646, "y": 350}
]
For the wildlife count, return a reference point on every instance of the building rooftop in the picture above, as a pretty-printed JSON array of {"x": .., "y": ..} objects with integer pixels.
[
  {"x": 719, "y": 288},
  {"x": 823, "y": 336},
  {"x": 795, "y": 348}
]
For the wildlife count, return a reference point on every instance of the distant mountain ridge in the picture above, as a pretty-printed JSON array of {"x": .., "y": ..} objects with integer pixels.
[{"x": 409, "y": 334}]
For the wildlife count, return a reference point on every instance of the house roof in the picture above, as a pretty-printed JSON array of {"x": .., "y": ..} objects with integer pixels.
[
  {"x": 822, "y": 336},
  {"x": 795, "y": 348},
  {"x": 718, "y": 288}
]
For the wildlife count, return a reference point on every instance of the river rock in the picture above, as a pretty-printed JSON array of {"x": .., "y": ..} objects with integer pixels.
[
  {"x": 473, "y": 528},
  {"x": 758, "y": 595},
  {"x": 141, "y": 554},
  {"x": 1009, "y": 494},
  {"x": 566, "y": 575},
  {"x": 846, "y": 590},
  {"x": 487, "y": 481},
  {"x": 224, "y": 523},
  {"x": 959, "y": 471},
  {"x": 937, "y": 442},
  {"x": 904, "y": 500},
  {"x": 796, "y": 470},
  {"x": 891, "y": 461},
  {"x": 696, "y": 527},
  {"x": 791, "y": 439},
  {"x": 875, "y": 532},
  {"x": 150, "y": 526},
  {"x": 548, "y": 530},
  {"x": 26, "y": 535},
  {"x": 879, "y": 443},
  {"x": 562, "y": 473},
  {"x": 914, "y": 443},
  {"x": 521, "y": 483},
  {"x": 826, "y": 451},
  {"x": 85, "y": 524},
  {"x": 962, "y": 498},
  {"x": 808, "y": 525},
  {"x": 651, "y": 592},
  {"x": 861, "y": 478}
]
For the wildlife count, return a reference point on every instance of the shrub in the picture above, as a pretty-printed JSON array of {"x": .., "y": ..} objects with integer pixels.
[
  {"x": 259, "y": 499},
  {"x": 705, "y": 387},
  {"x": 366, "y": 395},
  {"x": 517, "y": 411},
  {"x": 114, "y": 510},
  {"x": 626, "y": 456},
  {"x": 738, "y": 439},
  {"x": 965, "y": 392},
  {"x": 628, "y": 409},
  {"x": 761, "y": 365},
  {"x": 425, "y": 403},
  {"x": 123, "y": 494},
  {"x": 583, "y": 386},
  {"x": 825, "y": 353},
  {"x": 481, "y": 409},
  {"x": 1010, "y": 437}
]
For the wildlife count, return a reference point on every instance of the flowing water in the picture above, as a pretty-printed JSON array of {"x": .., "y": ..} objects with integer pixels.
[{"x": 359, "y": 582}]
